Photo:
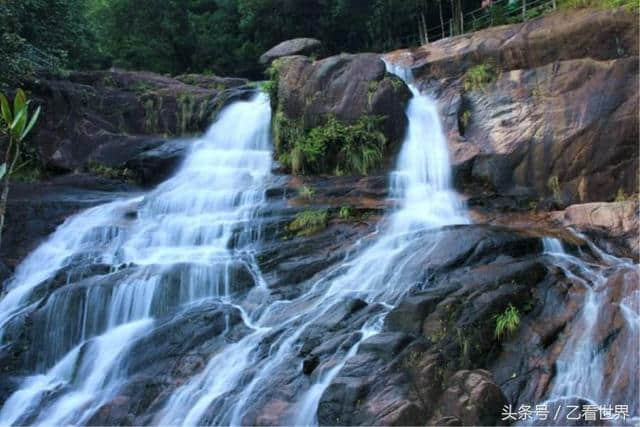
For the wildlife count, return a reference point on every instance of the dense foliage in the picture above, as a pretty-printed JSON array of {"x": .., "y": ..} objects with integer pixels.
[{"x": 221, "y": 36}]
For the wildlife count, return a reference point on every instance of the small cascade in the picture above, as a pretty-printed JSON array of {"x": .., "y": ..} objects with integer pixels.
[
  {"x": 421, "y": 188},
  {"x": 609, "y": 317},
  {"x": 191, "y": 238},
  {"x": 551, "y": 245}
]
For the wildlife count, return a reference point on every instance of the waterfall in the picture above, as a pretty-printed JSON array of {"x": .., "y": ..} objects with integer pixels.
[
  {"x": 582, "y": 376},
  {"x": 188, "y": 239},
  {"x": 421, "y": 188},
  {"x": 195, "y": 238}
]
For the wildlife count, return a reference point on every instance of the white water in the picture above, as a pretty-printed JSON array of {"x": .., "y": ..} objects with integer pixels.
[
  {"x": 199, "y": 227},
  {"x": 187, "y": 239},
  {"x": 583, "y": 371},
  {"x": 421, "y": 186}
]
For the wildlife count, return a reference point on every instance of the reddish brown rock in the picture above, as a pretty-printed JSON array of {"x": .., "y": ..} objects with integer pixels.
[{"x": 556, "y": 121}]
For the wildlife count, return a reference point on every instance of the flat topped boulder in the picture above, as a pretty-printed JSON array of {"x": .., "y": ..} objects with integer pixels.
[{"x": 300, "y": 46}]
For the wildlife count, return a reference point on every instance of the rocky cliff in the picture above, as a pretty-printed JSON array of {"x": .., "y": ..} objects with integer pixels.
[{"x": 541, "y": 117}]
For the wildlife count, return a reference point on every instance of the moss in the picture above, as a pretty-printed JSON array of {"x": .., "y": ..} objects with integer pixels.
[
  {"x": 109, "y": 172},
  {"x": 553, "y": 183},
  {"x": 334, "y": 147},
  {"x": 478, "y": 77},
  {"x": 622, "y": 196},
  {"x": 271, "y": 88},
  {"x": 345, "y": 212},
  {"x": 371, "y": 90},
  {"x": 152, "y": 107},
  {"x": 306, "y": 192},
  {"x": 465, "y": 119},
  {"x": 308, "y": 222},
  {"x": 186, "y": 113}
]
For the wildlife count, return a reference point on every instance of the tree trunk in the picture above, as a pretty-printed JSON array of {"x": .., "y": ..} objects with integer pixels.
[{"x": 524, "y": 9}]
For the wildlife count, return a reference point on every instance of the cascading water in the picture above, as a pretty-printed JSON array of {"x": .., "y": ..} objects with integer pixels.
[
  {"x": 189, "y": 239},
  {"x": 584, "y": 375},
  {"x": 195, "y": 237},
  {"x": 421, "y": 186}
]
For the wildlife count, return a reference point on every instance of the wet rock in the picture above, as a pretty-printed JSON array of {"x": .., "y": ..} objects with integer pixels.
[
  {"x": 34, "y": 210},
  {"x": 346, "y": 87},
  {"x": 300, "y": 46},
  {"x": 540, "y": 131},
  {"x": 472, "y": 398},
  {"x": 619, "y": 221},
  {"x": 106, "y": 116},
  {"x": 159, "y": 163}
]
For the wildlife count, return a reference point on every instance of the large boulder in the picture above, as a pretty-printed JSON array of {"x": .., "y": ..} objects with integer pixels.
[
  {"x": 107, "y": 117},
  {"x": 546, "y": 109},
  {"x": 613, "y": 225},
  {"x": 299, "y": 46},
  {"x": 349, "y": 89}
]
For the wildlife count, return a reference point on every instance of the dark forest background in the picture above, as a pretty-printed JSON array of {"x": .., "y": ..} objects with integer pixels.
[{"x": 224, "y": 37}]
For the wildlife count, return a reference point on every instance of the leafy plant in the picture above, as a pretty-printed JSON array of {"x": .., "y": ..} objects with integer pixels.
[
  {"x": 602, "y": 4},
  {"x": 345, "y": 212},
  {"x": 308, "y": 222},
  {"x": 479, "y": 76},
  {"x": 306, "y": 192},
  {"x": 506, "y": 322},
  {"x": 334, "y": 146},
  {"x": 17, "y": 123},
  {"x": 465, "y": 119}
]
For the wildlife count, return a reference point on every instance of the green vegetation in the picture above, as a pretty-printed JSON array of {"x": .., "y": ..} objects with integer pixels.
[
  {"x": 110, "y": 173},
  {"x": 223, "y": 37},
  {"x": 345, "y": 212},
  {"x": 465, "y": 119},
  {"x": 17, "y": 122},
  {"x": 506, "y": 322},
  {"x": 332, "y": 147},
  {"x": 621, "y": 196},
  {"x": 602, "y": 4},
  {"x": 308, "y": 222},
  {"x": 479, "y": 76},
  {"x": 553, "y": 183},
  {"x": 306, "y": 192}
]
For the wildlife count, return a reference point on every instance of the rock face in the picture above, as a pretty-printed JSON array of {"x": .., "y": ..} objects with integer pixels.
[
  {"x": 300, "y": 46},
  {"x": 34, "y": 210},
  {"x": 540, "y": 124},
  {"x": 90, "y": 117},
  {"x": 611, "y": 221},
  {"x": 345, "y": 87}
]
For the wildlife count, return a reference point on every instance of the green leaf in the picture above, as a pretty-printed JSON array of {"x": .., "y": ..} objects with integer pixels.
[
  {"x": 34, "y": 119},
  {"x": 18, "y": 121},
  {"x": 20, "y": 101},
  {"x": 3, "y": 170},
  {"x": 6, "y": 110}
]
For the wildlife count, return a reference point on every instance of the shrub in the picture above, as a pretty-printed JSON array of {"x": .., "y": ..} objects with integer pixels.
[
  {"x": 308, "y": 222},
  {"x": 506, "y": 322},
  {"x": 602, "y": 4},
  {"x": 479, "y": 76},
  {"x": 345, "y": 212},
  {"x": 306, "y": 192},
  {"x": 332, "y": 147},
  {"x": 17, "y": 123}
]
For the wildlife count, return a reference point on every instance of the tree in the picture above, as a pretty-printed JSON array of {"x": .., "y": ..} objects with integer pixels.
[{"x": 16, "y": 125}]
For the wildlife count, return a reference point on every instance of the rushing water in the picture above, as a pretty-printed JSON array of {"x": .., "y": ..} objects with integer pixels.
[
  {"x": 188, "y": 239},
  {"x": 421, "y": 186},
  {"x": 194, "y": 237},
  {"x": 584, "y": 375}
]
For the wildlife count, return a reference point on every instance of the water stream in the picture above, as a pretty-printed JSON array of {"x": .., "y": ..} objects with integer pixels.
[{"x": 195, "y": 237}]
